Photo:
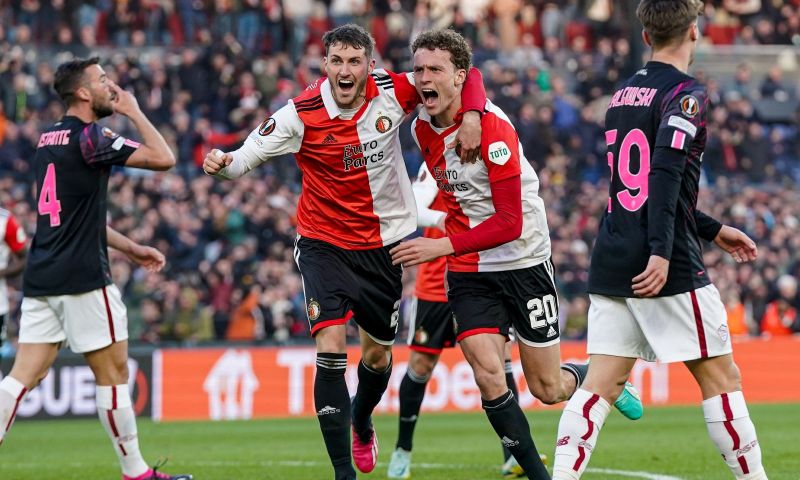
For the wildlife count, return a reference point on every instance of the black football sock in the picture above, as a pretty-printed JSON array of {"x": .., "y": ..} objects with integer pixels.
[
  {"x": 512, "y": 385},
  {"x": 512, "y": 427},
  {"x": 332, "y": 402},
  {"x": 578, "y": 371},
  {"x": 412, "y": 391},
  {"x": 371, "y": 385}
]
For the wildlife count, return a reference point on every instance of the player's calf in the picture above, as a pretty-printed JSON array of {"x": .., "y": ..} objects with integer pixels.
[
  {"x": 12, "y": 392},
  {"x": 578, "y": 429}
]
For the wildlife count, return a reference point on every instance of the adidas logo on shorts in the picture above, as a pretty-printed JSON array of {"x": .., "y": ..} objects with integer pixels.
[{"x": 551, "y": 332}]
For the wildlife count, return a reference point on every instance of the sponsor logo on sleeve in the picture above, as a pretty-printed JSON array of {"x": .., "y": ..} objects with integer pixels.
[
  {"x": 499, "y": 153},
  {"x": 690, "y": 106},
  {"x": 683, "y": 124},
  {"x": 118, "y": 143},
  {"x": 266, "y": 127}
]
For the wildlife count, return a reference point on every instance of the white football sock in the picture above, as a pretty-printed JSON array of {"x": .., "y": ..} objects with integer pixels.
[
  {"x": 12, "y": 392},
  {"x": 734, "y": 434},
  {"x": 580, "y": 424},
  {"x": 116, "y": 414}
]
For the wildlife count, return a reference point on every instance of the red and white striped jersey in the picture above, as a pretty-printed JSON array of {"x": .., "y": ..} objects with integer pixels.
[
  {"x": 356, "y": 191},
  {"x": 430, "y": 275},
  {"x": 12, "y": 240},
  {"x": 467, "y": 191}
]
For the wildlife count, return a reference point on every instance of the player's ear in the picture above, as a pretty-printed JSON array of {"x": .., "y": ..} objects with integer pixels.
[
  {"x": 461, "y": 76},
  {"x": 83, "y": 93},
  {"x": 694, "y": 32},
  {"x": 646, "y": 38},
  {"x": 371, "y": 66}
]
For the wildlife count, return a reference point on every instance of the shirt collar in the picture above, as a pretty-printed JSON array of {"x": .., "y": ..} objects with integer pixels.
[{"x": 371, "y": 91}]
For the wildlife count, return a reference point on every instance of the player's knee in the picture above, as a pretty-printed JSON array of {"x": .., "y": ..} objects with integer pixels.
[
  {"x": 422, "y": 363},
  {"x": 377, "y": 357},
  {"x": 548, "y": 391}
]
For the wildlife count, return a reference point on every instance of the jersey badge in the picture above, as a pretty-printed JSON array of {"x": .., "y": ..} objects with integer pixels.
[
  {"x": 642, "y": 72},
  {"x": 266, "y": 127},
  {"x": 499, "y": 153},
  {"x": 723, "y": 332},
  {"x": 383, "y": 124},
  {"x": 314, "y": 310},
  {"x": 421, "y": 336},
  {"x": 690, "y": 106}
]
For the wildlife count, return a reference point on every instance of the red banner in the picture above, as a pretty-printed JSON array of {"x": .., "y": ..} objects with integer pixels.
[{"x": 237, "y": 383}]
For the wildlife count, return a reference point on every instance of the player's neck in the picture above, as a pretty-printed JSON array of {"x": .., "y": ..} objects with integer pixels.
[
  {"x": 675, "y": 57},
  {"x": 448, "y": 116},
  {"x": 83, "y": 113}
]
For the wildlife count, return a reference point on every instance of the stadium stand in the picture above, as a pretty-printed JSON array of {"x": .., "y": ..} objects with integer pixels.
[{"x": 208, "y": 72}]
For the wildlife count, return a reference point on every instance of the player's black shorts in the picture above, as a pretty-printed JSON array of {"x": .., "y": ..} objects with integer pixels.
[
  {"x": 342, "y": 284},
  {"x": 492, "y": 302},
  {"x": 433, "y": 328},
  {"x": 2, "y": 328}
]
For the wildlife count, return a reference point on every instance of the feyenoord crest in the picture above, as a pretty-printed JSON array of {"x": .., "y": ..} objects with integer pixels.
[
  {"x": 383, "y": 124},
  {"x": 690, "y": 106},
  {"x": 266, "y": 127},
  {"x": 421, "y": 336},
  {"x": 314, "y": 310}
]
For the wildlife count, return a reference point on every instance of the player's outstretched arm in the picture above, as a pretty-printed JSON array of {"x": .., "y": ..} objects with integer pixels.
[
  {"x": 425, "y": 191},
  {"x": 280, "y": 134},
  {"x": 148, "y": 257},
  {"x": 153, "y": 153}
]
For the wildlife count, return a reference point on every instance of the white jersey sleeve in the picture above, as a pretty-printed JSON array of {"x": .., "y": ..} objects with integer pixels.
[
  {"x": 425, "y": 191},
  {"x": 280, "y": 134}
]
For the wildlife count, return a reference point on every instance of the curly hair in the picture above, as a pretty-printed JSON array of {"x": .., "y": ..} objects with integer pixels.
[{"x": 448, "y": 40}]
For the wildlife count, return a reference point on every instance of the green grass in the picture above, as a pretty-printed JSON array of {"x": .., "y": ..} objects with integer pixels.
[{"x": 670, "y": 441}]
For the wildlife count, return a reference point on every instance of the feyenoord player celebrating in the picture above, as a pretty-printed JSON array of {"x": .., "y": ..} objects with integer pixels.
[
  {"x": 651, "y": 297},
  {"x": 355, "y": 204},
  {"x": 500, "y": 273},
  {"x": 433, "y": 330},
  {"x": 68, "y": 293}
]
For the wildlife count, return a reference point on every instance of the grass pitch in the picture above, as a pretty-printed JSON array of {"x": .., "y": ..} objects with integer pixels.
[{"x": 667, "y": 441}]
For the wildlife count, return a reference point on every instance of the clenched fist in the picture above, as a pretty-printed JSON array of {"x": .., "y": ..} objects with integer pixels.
[{"x": 215, "y": 161}]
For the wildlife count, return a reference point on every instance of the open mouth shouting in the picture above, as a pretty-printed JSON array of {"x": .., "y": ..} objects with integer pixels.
[
  {"x": 347, "y": 87},
  {"x": 429, "y": 97}
]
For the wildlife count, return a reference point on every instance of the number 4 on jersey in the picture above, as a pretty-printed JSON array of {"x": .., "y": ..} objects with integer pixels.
[{"x": 48, "y": 200}]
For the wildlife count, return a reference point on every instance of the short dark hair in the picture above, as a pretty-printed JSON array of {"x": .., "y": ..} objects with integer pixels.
[
  {"x": 69, "y": 77},
  {"x": 448, "y": 40},
  {"x": 351, "y": 35},
  {"x": 666, "y": 21}
]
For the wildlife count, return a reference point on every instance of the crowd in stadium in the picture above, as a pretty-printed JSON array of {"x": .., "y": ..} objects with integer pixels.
[{"x": 206, "y": 73}]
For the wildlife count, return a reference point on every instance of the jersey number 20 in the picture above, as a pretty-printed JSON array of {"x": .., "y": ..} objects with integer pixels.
[
  {"x": 635, "y": 193},
  {"x": 48, "y": 200}
]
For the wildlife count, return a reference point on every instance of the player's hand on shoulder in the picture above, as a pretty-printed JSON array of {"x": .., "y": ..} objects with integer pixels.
[
  {"x": 215, "y": 161},
  {"x": 420, "y": 250},
  {"x": 148, "y": 257},
  {"x": 741, "y": 247},
  {"x": 123, "y": 101},
  {"x": 650, "y": 282},
  {"x": 468, "y": 139}
]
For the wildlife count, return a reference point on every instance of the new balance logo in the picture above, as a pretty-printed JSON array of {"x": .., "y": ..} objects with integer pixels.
[
  {"x": 412, "y": 418},
  {"x": 329, "y": 139},
  {"x": 562, "y": 441},
  {"x": 551, "y": 332},
  {"x": 508, "y": 442},
  {"x": 327, "y": 410}
]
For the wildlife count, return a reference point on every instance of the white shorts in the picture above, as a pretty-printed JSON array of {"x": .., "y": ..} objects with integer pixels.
[
  {"x": 87, "y": 321},
  {"x": 682, "y": 327}
]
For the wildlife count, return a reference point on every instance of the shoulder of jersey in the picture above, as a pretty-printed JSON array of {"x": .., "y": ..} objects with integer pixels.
[
  {"x": 310, "y": 99},
  {"x": 383, "y": 79},
  {"x": 493, "y": 115}
]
